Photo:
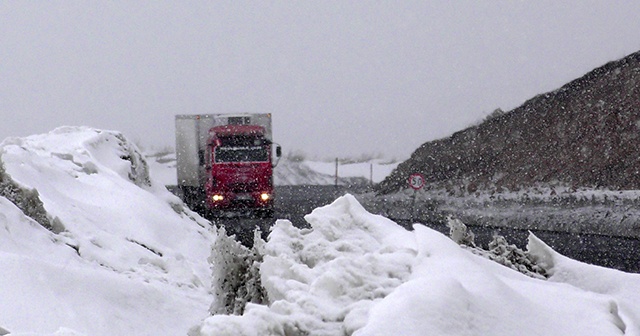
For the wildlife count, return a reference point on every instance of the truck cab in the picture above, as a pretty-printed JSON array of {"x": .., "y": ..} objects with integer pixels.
[
  {"x": 224, "y": 163},
  {"x": 240, "y": 170}
]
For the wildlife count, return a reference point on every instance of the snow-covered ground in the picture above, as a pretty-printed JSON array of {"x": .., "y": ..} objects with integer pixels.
[
  {"x": 323, "y": 173},
  {"x": 92, "y": 244}
]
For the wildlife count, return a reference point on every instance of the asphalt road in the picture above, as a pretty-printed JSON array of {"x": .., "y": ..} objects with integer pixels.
[{"x": 293, "y": 202}]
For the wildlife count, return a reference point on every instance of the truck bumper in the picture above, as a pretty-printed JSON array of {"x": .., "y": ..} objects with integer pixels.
[{"x": 232, "y": 201}]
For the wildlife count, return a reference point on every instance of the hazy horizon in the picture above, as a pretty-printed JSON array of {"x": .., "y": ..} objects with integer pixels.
[{"x": 340, "y": 78}]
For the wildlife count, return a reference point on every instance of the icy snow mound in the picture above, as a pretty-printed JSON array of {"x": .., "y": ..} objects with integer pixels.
[
  {"x": 361, "y": 274},
  {"x": 119, "y": 243}
]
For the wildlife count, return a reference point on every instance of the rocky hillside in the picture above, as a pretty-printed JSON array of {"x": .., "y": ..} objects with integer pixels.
[{"x": 585, "y": 134}]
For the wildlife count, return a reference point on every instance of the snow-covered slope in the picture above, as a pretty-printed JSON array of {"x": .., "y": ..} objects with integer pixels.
[{"x": 126, "y": 256}]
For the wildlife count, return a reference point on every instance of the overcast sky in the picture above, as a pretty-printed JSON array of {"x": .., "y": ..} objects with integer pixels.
[{"x": 341, "y": 78}]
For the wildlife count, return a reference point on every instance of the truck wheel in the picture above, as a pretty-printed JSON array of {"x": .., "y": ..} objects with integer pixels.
[
  {"x": 214, "y": 214},
  {"x": 266, "y": 213}
]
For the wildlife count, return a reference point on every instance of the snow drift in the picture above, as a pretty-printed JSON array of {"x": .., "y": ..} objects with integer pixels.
[
  {"x": 108, "y": 252},
  {"x": 361, "y": 274}
]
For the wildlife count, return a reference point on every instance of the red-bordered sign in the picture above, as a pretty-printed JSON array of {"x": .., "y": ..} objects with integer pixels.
[{"x": 416, "y": 181}]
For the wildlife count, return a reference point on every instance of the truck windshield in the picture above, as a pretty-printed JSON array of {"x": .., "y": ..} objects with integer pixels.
[
  {"x": 242, "y": 140},
  {"x": 241, "y": 154}
]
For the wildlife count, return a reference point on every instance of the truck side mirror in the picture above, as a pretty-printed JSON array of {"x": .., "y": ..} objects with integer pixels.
[{"x": 278, "y": 155}]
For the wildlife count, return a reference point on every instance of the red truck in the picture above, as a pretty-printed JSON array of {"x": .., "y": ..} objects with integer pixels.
[{"x": 225, "y": 164}]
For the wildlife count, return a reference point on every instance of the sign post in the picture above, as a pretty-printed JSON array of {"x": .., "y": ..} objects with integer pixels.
[{"x": 416, "y": 182}]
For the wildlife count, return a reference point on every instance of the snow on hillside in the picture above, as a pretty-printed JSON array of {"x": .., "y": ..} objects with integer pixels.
[
  {"x": 127, "y": 258},
  {"x": 323, "y": 173},
  {"x": 91, "y": 243},
  {"x": 162, "y": 167}
]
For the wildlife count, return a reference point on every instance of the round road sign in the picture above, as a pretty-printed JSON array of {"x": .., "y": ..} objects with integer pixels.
[{"x": 416, "y": 181}]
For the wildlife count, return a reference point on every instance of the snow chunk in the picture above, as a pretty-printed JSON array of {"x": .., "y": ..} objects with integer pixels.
[
  {"x": 454, "y": 292},
  {"x": 236, "y": 274},
  {"x": 326, "y": 278},
  {"x": 623, "y": 287}
]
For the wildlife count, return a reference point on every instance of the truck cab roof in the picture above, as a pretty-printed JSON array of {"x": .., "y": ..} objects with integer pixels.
[{"x": 231, "y": 130}]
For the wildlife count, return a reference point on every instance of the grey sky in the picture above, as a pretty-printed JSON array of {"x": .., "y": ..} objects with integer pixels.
[{"x": 340, "y": 77}]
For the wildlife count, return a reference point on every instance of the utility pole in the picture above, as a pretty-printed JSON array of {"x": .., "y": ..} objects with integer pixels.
[
  {"x": 416, "y": 182},
  {"x": 371, "y": 174},
  {"x": 336, "y": 182}
]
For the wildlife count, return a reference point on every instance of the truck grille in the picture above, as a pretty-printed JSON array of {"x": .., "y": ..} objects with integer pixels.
[
  {"x": 242, "y": 204},
  {"x": 240, "y": 187}
]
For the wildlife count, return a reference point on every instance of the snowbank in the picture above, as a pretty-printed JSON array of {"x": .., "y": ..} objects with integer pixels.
[
  {"x": 361, "y": 274},
  {"x": 123, "y": 255}
]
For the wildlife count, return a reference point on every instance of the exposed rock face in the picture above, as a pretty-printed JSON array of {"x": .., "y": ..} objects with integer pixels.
[{"x": 585, "y": 134}]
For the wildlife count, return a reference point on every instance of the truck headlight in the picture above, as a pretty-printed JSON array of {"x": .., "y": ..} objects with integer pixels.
[
  {"x": 217, "y": 198},
  {"x": 265, "y": 196}
]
